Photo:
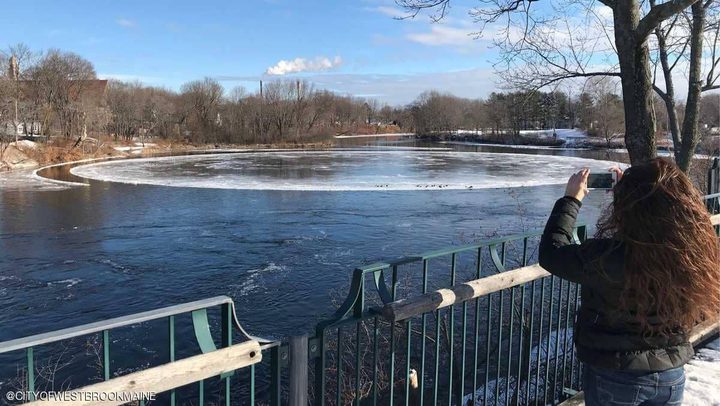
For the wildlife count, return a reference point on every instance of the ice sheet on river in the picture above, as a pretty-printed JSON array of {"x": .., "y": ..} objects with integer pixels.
[
  {"x": 344, "y": 170},
  {"x": 24, "y": 180}
]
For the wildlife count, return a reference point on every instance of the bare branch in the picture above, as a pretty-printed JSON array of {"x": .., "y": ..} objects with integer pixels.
[
  {"x": 414, "y": 7},
  {"x": 658, "y": 14}
]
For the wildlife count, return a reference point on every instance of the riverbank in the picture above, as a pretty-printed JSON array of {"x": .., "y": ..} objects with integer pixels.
[{"x": 26, "y": 154}]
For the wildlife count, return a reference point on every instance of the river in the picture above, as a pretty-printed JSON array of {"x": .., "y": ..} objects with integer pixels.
[{"x": 279, "y": 232}]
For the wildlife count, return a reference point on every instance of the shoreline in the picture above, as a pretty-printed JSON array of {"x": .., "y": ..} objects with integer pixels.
[{"x": 114, "y": 150}]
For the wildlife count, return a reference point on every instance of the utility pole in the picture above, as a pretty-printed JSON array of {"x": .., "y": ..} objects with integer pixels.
[
  {"x": 297, "y": 124},
  {"x": 262, "y": 119},
  {"x": 15, "y": 75}
]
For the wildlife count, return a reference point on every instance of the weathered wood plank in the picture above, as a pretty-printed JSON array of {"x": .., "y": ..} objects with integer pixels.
[
  {"x": 406, "y": 308},
  {"x": 577, "y": 400},
  {"x": 704, "y": 330},
  {"x": 167, "y": 376}
]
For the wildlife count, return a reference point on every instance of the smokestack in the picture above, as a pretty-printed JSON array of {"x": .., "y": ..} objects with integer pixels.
[{"x": 13, "y": 70}]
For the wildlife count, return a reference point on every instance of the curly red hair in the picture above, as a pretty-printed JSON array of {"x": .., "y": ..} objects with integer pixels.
[{"x": 672, "y": 257}]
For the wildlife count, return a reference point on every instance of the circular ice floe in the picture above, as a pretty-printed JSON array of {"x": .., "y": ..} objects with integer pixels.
[{"x": 344, "y": 170}]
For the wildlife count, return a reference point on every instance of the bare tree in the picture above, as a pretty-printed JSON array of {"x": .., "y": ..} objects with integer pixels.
[
  {"x": 59, "y": 81},
  {"x": 201, "y": 100},
  {"x": 550, "y": 46},
  {"x": 683, "y": 42},
  {"x": 607, "y": 109}
]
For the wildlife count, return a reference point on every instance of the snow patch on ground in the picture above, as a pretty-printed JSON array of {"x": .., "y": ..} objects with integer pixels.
[
  {"x": 25, "y": 144},
  {"x": 137, "y": 148},
  {"x": 702, "y": 378},
  {"x": 374, "y": 135}
]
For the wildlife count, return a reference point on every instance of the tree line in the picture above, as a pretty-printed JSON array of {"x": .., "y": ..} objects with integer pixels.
[
  {"x": 57, "y": 93},
  {"x": 645, "y": 45}
]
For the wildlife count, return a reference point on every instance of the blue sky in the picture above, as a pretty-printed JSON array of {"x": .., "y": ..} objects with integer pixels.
[{"x": 353, "y": 47}]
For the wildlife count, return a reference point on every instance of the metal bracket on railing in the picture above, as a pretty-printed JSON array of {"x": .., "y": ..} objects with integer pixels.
[
  {"x": 355, "y": 301},
  {"x": 382, "y": 287},
  {"x": 496, "y": 259},
  {"x": 201, "y": 327},
  {"x": 313, "y": 347}
]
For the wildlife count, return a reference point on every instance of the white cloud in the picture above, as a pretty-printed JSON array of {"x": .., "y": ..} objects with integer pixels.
[
  {"x": 391, "y": 11},
  {"x": 124, "y": 22},
  {"x": 298, "y": 65},
  {"x": 441, "y": 35}
]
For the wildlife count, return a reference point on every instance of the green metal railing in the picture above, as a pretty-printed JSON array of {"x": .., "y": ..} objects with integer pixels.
[
  {"x": 713, "y": 203},
  {"x": 511, "y": 347},
  {"x": 201, "y": 326}
]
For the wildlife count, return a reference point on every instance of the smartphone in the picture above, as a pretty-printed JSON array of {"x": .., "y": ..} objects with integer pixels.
[{"x": 602, "y": 180}]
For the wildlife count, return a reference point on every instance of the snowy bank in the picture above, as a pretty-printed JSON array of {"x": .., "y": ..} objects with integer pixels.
[{"x": 703, "y": 377}]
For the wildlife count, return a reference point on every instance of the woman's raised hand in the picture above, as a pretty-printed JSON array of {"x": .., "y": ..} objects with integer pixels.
[
  {"x": 577, "y": 185},
  {"x": 618, "y": 173}
]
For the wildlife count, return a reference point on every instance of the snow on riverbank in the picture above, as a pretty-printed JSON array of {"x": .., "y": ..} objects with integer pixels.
[
  {"x": 703, "y": 377},
  {"x": 374, "y": 135},
  {"x": 14, "y": 155},
  {"x": 138, "y": 148},
  {"x": 562, "y": 133}
]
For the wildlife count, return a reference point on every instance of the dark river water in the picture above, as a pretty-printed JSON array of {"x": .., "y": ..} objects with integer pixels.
[{"x": 278, "y": 232}]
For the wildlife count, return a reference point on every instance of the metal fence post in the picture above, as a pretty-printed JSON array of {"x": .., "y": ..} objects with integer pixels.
[
  {"x": 298, "y": 391},
  {"x": 714, "y": 177}
]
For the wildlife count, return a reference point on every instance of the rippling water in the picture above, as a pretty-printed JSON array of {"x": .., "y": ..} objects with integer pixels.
[{"x": 278, "y": 232}]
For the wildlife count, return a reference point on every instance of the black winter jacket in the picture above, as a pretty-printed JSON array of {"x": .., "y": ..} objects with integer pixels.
[{"x": 605, "y": 336}]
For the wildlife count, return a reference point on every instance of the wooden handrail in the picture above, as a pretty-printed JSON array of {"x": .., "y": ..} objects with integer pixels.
[
  {"x": 703, "y": 331},
  {"x": 406, "y": 308},
  {"x": 161, "y": 378},
  {"x": 428, "y": 302}
]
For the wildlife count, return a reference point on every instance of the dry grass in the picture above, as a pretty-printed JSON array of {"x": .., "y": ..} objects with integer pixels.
[{"x": 63, "y": 150}]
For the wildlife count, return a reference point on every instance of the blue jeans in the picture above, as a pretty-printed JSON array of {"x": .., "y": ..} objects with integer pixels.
[{"x": 609, "y": 387}]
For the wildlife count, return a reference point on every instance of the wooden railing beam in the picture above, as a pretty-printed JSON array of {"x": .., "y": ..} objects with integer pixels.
[
  {"x": 429, "y": 302},
  {"x": 162, "y": 378}
]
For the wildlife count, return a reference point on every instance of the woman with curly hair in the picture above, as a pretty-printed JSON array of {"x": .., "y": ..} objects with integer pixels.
[{"x": 651, "y": 273}]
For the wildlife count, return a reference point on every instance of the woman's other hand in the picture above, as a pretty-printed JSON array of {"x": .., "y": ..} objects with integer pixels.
[
  {"x": 577, "y": 185},
  {"x": 618, "y": 173}
]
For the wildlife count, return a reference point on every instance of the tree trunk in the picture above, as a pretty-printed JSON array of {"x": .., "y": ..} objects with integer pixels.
[
  {"x": 633, "y": 55},
  {"x": 690, "y": 130},
  {"x": 669, "y": 95}
]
